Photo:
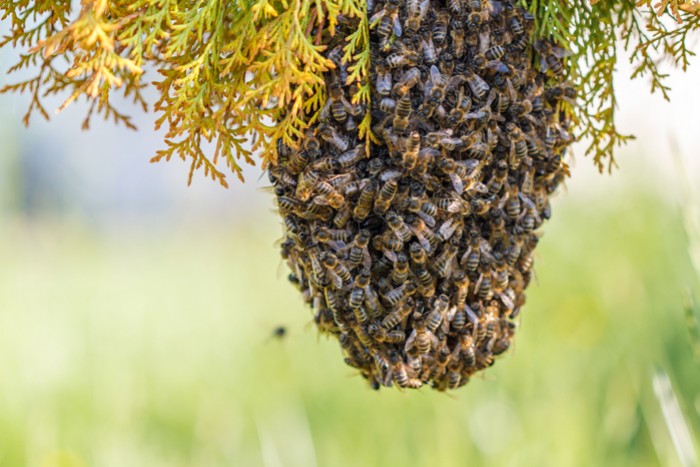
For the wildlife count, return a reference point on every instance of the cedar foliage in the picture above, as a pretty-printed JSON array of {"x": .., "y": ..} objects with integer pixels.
[{"x": 244, "y": 74}]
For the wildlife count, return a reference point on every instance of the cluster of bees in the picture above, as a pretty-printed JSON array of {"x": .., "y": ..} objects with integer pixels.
[{"x": 417, "y": 256}]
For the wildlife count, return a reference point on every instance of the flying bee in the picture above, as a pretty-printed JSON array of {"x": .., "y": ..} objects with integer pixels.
[
  {"x": 397, "y": 225},
  {"x": 387, "y": 22},
  {"x": 407, "y": 81},
  {"x": 330, "y": 194},
  {"x": 440, "y": 27},
  {"x": 400, "y": 375},
  {"x": 359, "y": 253},
  {"x": 427, "y": 45},
  {"x": 426, "y": 284},
  {"x": 403, "y": 111},
  {"x": 330, "y": 135},
  {"x": 396, "y": 296},
  {"x": 410, "y": 154},
  {"x": 306, "y": 184},
  {"x": 364, "y": 202},
  {"x": 498, "y": 178},
  {"x": 426, "y": 237},
  {"x": 385, "y": 196},
  {"x": 551, "y": 57},
  {"x": 445, "y": 263},
  {"x": 383, "y": 79}
]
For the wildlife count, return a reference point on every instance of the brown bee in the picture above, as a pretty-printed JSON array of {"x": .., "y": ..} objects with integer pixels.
[{"x": 387, "y": 22}]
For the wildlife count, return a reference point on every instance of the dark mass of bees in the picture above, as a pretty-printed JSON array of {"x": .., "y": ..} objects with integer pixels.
[{"x": 417, "y": 256}]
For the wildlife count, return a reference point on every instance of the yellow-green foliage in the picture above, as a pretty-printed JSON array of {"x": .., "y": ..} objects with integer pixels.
[
  {"x": 240, "y": 75},
  {"x": 591, "y": 31},
  {"x": 243, "y": 74}
]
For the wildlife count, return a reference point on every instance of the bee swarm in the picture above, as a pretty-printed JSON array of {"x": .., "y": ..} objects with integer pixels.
[{"x": 417, "y": 257}]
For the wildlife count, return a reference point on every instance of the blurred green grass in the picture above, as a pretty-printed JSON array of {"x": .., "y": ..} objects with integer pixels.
[{"x": 152, "y": 348}]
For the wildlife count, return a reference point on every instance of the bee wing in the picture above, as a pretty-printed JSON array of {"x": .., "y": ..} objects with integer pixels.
[
  {"x": 410, "y": 340},
  {"x": 475, "y": 115},
  {"x": 497, "y": 65},
  {"x": 457, "y": 183},
  {"x": 560, "y": 52},
  {"x": 435, "y": 74},
  {"x": 390, "y": 255},
  {"x": 543, "y": 64},
  {"x": 465, "y": 256},
  {"x": 398, "y": 31},
  {"x": 506, "y": 300},
  {"x": 376, "y": 18},
  {"x": 447, "y": 228},
  {"x": 335, "y": 278},
  {"x": 429, "y": 220}
]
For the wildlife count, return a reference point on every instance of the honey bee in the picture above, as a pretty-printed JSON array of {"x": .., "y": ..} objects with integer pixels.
[
  {"x": 338, "y": 269},
  {"x": 455, "y": 171},
  {"x": 383, "y": 79},
  {"x": 382, "y": 335},
  {"x": 495, "y": 52},
  {"x": 459, "y": 48},
  {"x": 396, "y": 296},
  {"x": 397, "y": 315},
  {"x": 478, "y": 86},
  {"x": 330, "y": 135},
  {"x": 445, "y": 262},
  {"x": 440, "y": 27},
  {"x": 518, "y": 145},
  {"x": 330, "y": 195},
  {"x": 359, "y": 253},
  {"x": 297, "y": 162},
  {"x": 551, "y": 57},
  {"x": 426, "y": 237},
  {"x": 400, "y": 272},
  {"x": 515, "y": 26},
  {"x": 530, "y": 219},
  {"x": 387, "y": 22},
  {"x": 495, "y": 185},
  {"x": 387, "y": 105},
  {"x": 426, "y": 284},
  {"x": 364, "y": 202},
  {"x": 400, "y": 375},
  {"x": 427, "y": 45},
  {"x": 410, "y": 153},
  {"x": 385, "y": 197},
  {"x": 511, "y": 203},
  {"x": 462, "y": 283},
  {"x": 397, "y": 225},
  {"x": 421, "y": 338},
  {"x": 435, "y": 88},
  {"x": 407, "y": 81},
  {"x": 417, "y": 253},
  {"x": 437, "y": 315},
  {"x": 360, "y": 332},
  {"x": 352, "y": 156},
  {"x": 403, "y": 111},
  {"x": 398, "y": 59},
  {"x": 342, "y": 217},
  {"x": 454, "y": 376},
  {"x": 424, "y": 209},
  {"x": 528, "y": 180},
  {"x": 467, "y": 351},
  {"x": 472, "y": 257},
  {"x": 306, "y": 184},
  {"x": 417, "y": 10}
]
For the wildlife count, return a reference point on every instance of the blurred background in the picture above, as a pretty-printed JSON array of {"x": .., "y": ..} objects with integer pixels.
[{"x": 137, "y": 316}]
